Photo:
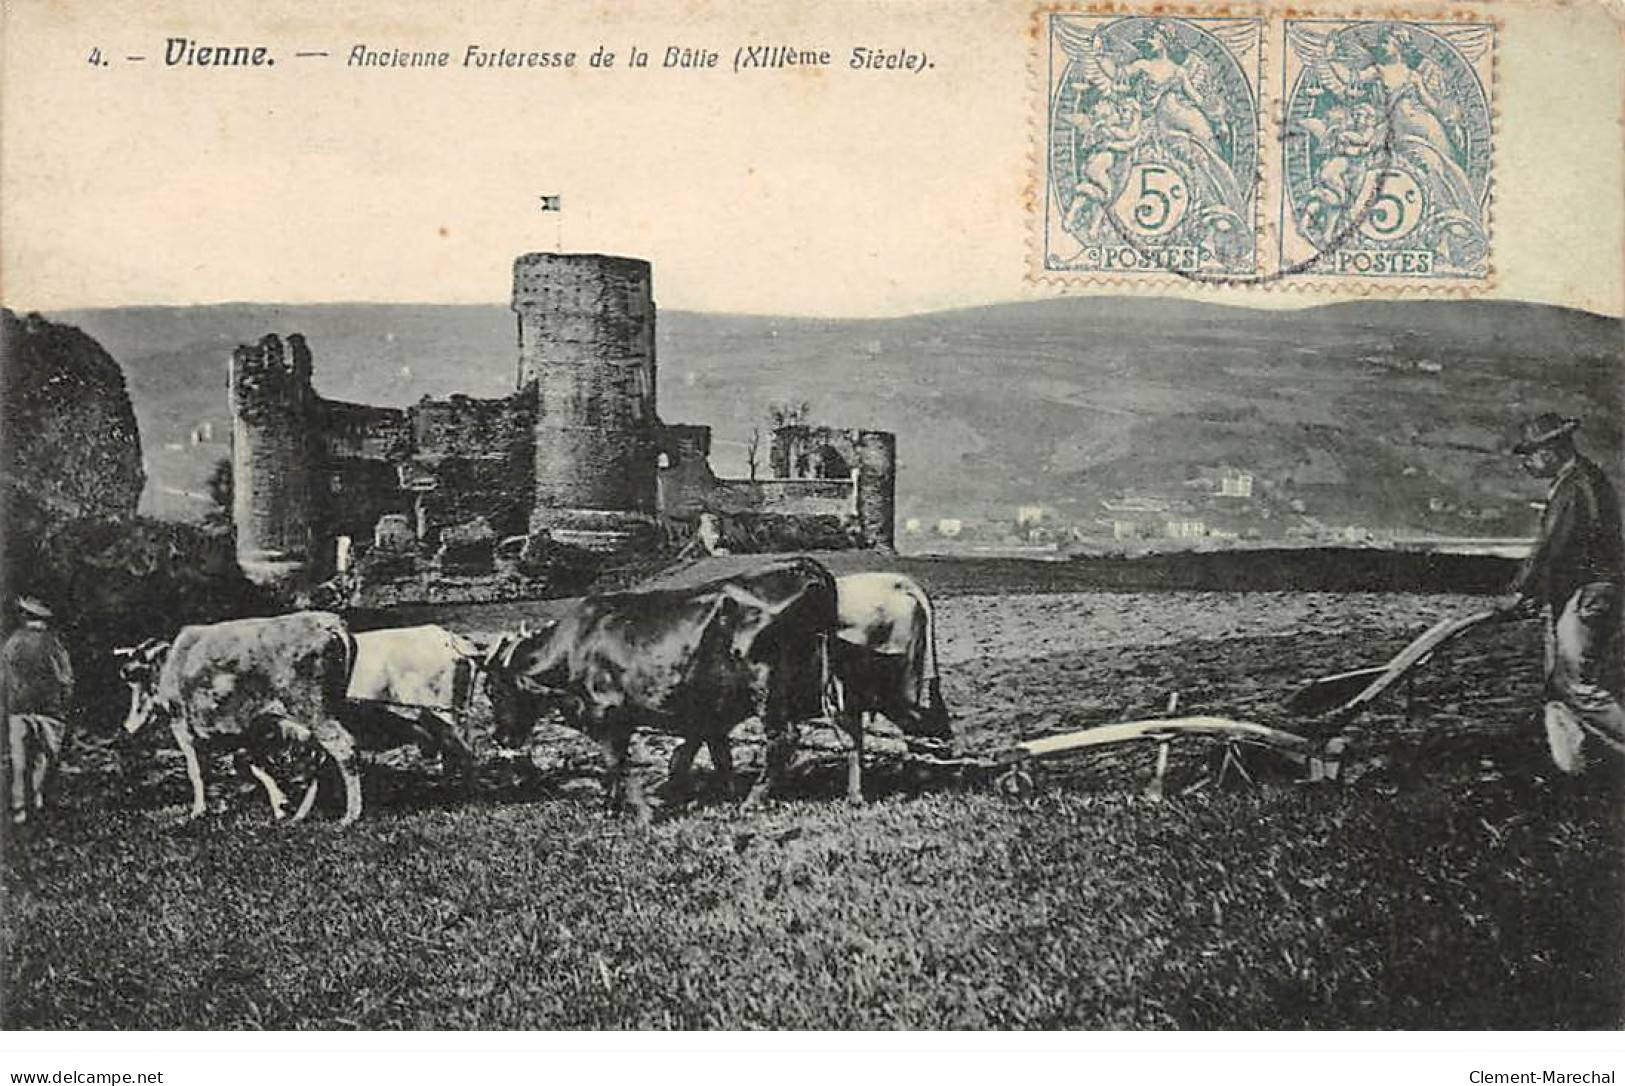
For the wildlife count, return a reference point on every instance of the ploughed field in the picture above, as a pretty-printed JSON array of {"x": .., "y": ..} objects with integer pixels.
[{"x": 1453, "y": 882}]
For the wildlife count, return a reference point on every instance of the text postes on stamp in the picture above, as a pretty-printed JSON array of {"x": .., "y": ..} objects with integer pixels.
[
  {"x": 1386, "y": 150},
  {"x": 1152, "y": 146}
]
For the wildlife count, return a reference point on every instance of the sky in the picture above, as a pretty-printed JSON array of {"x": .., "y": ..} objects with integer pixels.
[{"x": 819, "y": 192}]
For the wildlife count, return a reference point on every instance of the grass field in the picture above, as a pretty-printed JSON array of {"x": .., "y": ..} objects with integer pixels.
[{"x": 1453, "y": 884}]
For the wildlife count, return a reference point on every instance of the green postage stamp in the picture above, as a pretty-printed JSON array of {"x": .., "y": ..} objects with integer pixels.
[
  {"x": 1386, "y": 149},
  {"x": 1265, "y": 150},
  {"x": 1153, "y": 145}
]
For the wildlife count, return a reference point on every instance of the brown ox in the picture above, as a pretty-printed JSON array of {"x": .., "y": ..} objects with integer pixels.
[{"x": 691, "y": 662}]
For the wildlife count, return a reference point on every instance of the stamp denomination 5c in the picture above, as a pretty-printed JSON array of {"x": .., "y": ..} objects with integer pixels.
[
  {"x": 1152, "y": 142},
  {"x": 1385, "y": 149}
]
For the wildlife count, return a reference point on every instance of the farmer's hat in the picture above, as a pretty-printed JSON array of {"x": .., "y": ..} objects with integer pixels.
[
  {"x": 1544, "y": 429},
  {"x": 32, "y": 607}
]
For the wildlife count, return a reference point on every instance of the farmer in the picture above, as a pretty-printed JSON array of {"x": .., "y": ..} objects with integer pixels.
[
  {"x": 1574, "y": 571},
  {"x": 36, "y": 685}
]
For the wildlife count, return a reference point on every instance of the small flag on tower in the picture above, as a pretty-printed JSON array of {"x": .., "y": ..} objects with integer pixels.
[{"x": 552, "y": 203}]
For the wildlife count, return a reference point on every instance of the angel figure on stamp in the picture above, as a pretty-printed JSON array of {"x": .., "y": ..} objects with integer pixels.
[
  {"x": 1110, "y": 132},
  {"x": 1147, "y": 95},
  {"x": 1347, "y": 135},
  {"x": 1427, "y": 130},
  {"x": 1426, "y": 133},
  {"x": 1173, "y": 84}
]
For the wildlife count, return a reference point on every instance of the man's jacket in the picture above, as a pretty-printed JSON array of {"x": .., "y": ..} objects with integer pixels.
[
  {"x": 35, "y": 674},
  {"x": 1579, "y": 537}
]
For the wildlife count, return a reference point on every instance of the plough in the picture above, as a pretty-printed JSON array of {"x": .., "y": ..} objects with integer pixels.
[
  {"x": 1334, "y": 698},
  {"x": 1343, "y": 695},
  {"x": 1318, "y": 762}
]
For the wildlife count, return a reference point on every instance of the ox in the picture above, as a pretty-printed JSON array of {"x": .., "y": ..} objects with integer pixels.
[
  {"x": 412, "y": 685},
  {"x": 254, "y": 684},
  {"x": 691, "y": 662},
  {"x": 885, "y": 654}
]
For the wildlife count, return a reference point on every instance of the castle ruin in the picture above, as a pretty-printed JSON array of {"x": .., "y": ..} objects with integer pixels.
[{"x": 473, "y": 498}]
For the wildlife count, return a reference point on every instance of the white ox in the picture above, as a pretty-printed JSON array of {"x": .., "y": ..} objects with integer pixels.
[
  {"x": 884, "y": 655},
  {"x": 413, "y": 684}
]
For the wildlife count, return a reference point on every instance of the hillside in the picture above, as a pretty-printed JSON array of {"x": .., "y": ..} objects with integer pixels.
[{"x": 1370, "y": 414}]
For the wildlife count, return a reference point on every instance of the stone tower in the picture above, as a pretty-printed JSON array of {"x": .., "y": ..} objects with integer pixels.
[
  {"x": 270, "y": 457},
  {"x": 877, "y": 487},
  {"x": 587, "y": 340}
]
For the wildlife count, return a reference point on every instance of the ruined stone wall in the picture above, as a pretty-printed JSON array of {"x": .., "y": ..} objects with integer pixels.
[
  {"x": 351, "y": 495},
  {"x": 587, "y": 344},
  {"x": 805, "y": 497},
  {"x": 759, "y": 515},
  {"x": 482, "y": 455},
  {"x": 354, "y": 431},
  {"x": 841, "y": 483},
  {"x": 444, "y": 465},
  {"x": 869, "y": 457},
  {"x": 466, "y": 428},
  {"x": 761, "y": 532},
  {"x": 789, "y": 449},
  {"x": 307, "y": 470},
  {"x": 683, "y": 442},
  {"x": 271, "y": 407},
  {"x": 489, "y": 490},
  {"x": 575, "y": 464},
  {"x": 783, "y": 497},
  {"x": 685, "y": 481},
  {"x": 353, "y": 476}
]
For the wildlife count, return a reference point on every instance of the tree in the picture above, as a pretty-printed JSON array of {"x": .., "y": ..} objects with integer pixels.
[
  {"x": 218, "y": 518},
  {"x": 753, "y": 449},
  {"x": 782, "y": 414}
]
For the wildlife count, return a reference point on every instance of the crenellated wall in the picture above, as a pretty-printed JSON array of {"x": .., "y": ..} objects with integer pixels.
[{"x": 867, "y": 457}]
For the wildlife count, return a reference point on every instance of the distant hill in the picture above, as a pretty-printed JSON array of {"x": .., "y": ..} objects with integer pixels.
[{"x": 1365, "y": 413}]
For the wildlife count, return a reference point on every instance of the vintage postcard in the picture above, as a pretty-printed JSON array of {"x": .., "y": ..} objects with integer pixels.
[{"x": 826, "y": 515}]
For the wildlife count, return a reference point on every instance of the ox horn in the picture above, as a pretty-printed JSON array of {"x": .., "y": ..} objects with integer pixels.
[
  {"x": 743, "y": 595},
  {"x": 494, "y": 651}
]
